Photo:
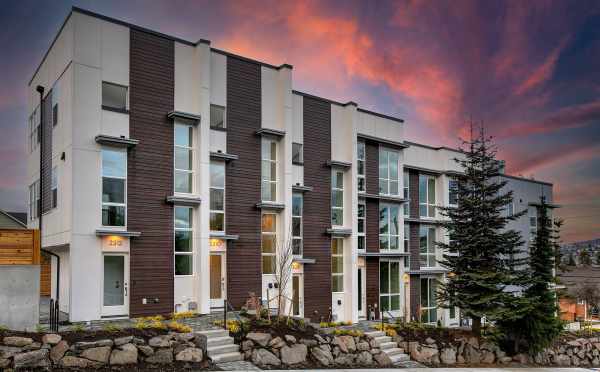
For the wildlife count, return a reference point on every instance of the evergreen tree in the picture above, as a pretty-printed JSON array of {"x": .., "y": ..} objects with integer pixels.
[
  {"x": 481, "y": 253},
  {"x": 571, "y": 259},
  {"x": 584, "y": 258},
  {"x": 539, "y": 326}
]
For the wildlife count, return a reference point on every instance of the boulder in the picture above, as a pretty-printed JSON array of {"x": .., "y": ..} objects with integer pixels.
[
  {"x": 505, "y": 359},
  {"x": 472, "y": 355},
  {"x": 344, "y": 359},
  {"x": 487, "y": 357},
  {"x": 58, "y": 351},
  {"x": 322, "y": 355},
  {"x": 160, "y": 341},
  {"x": 31, "y": 346},
  {"x": 276, "y": 343},
  {"x": 184, "y": 337},
  {"x": 161, "y": 356},
  {"x": 320, "y": 339},
  {"x": 247, "y": 345},
  {"x": 375, "y": 351},
  {"x": 191, "y": 354},
  {"x": 383, "y": 360},
  {"x": 37, "y": 358},
  {"x": 8, "y": 351},
  {"x": 291, "y": 339},
  {"x": 263, "y": 358},
  {"x": 363, "y": 346},
  {"x": 325, "y": 347},
  {"x": 574, "y": 343},
  {"x": 429, "y": 341},
  {"x": 448, "y": 356},
  {"x": 294, "y": 354},
  {"x": 74, "y": 362},
  {"x": 346, "y": 344},
  {"x": 575, "y": 361},
  {"x": 97, "y": 354},
  {"x": 259, "y": 338},
  {"x": 128, "y": 355},
  {"x": 123, "y": 340},
  {"x": 17, "y": 341},
  {"x": 145, "y": 350},
  {"x": 88, "y": 345},
  {"x": 51, "y": 338},
  {"x": 521, "y": 358},
  {"x": 424, "y": 355},
  {"x": 139, "y": 341},
  {"x": 364, "y": 358},
  {"x": 4, "y": 363},
  {"x": 308, "y": 343}
]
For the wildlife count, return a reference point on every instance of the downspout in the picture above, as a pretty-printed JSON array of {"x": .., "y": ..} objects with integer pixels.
[{"x": 57, "y": 295}]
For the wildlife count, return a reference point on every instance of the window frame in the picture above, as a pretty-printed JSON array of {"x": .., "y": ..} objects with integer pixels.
[
  {"x": 296, "y": 145},
  {"x": 388, "y": 235},
  {"x": 124, "y": 110},
  {"x": 273, "y": 234},
  {"x": 406, "y": 240},
  {"x": 428, "y": 204},
  {"x": 191, "y": 149},
  {"x": 389, "y": 294},
  {"x": 212, "y": 187},
  {"x": 361, "y": 160},
  {"x": 34, "y": 200},
  {"x": 190, "y": 230},
  {"x": 452, "y": 191},
  {"x": 387, "y": 178},
  {"x": 406, "y": 192},
  {"x": 431, "y": 300},
  {"x": 34, "y": 130},
  {"x": 361, "y": 221},
  {"x": 124, "y": 204},
  {"x": 335, "y": 273},
  {"x": 430, "y": 250},
  {"x": 54, "y": 187},
  {"x": 533, "y": 222},
  {"x": 299, "y": 238},
  {"x": 224, "y": 126},
  {"x": 335, "y": 189},
  {"x": 273, "y": 181}
]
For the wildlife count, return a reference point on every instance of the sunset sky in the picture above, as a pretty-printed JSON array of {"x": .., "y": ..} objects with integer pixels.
[{"x": 530, "y": 70}]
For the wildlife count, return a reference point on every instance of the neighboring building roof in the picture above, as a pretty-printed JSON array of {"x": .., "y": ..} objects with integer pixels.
[
  {"x": 13, "y": 220},
  {"x": 579, "y": 275}
]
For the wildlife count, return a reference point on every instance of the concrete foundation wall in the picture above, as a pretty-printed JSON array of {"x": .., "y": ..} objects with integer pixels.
[{"x": 20, "y": 296}]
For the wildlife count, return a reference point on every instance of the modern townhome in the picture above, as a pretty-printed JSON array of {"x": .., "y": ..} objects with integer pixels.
[{"x": 176, "y": 176}]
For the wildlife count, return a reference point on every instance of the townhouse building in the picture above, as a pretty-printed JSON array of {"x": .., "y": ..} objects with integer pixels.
[{"x": 176, "y": 176}]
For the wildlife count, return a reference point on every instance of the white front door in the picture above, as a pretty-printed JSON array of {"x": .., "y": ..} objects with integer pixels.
[
  {"x": 362, "y": 295},
  {"x": 298, "y": 295},
  {"x": 115, "y": 284},
  {"x": 217, "y": 279}
]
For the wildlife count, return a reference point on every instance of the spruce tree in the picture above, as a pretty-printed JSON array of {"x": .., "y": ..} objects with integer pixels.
[{"x": 481, "y": 253}]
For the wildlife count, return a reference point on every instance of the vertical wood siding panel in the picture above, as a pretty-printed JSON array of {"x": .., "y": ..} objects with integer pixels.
[
  {"x": 46, "y": 173},
  {"x": 373, "y": 284}
]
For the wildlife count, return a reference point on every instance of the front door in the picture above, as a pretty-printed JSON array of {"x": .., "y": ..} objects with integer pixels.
[
  {"x": 115, "y": 297},
  {"x": 298, "y": 295},
  {"x": 362, "y": 297},
  {"x": 217, "y": 279}
]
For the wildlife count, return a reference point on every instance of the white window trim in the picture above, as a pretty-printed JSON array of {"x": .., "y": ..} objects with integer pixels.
[
  {"x": 364, "y": 161},
  {"x": 118, "y": 85},
  {"x": 427, "y": 308},
  {"x": 211, "y": 187},
  {"x": 427, "y": 202},
  {"x": 301, "y": 161},
  {"x": 390, "y": 294},
  {"x": 262, "y": 253},
  {"x": 363, "y": 221},
  {"x": 124, "y": 204},
  {"x": 191, "y": 230},
  {"x": 189, "y": 148},
  {"x": 429, "y": 253},
  {"x": 387, "y": 178},
  {"x": 389, "y": 234},
  {"x": 335, "y": 188},
  {"x": 34, "y": 200},
  {"x": 264, "y": 180},
  {"x": 343, "y": 265},
  {"x": 301, "y": 236}
]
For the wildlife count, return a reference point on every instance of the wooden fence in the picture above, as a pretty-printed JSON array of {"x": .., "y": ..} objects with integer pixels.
[{"x": 19, "y": 247}]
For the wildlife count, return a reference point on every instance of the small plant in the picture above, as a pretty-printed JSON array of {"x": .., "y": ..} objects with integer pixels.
[
  {"x": 39, "y": 328},
  {"x": 77, "y": 328},
  {"x": 3, "y": 328},
  {"x": 183, "y": 315},
  {"x": 348, "y": 332},
  {"x": 111, "y": 328},
  {"x": 178, "y": 327}
]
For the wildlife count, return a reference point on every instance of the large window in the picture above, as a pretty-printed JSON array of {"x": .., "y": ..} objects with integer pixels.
[
  {"x": 297, "y": 153},
  {"x": 337, "y": 265},
  {"x": 54, "y": 187},
  {"x": 269, "y": 170},
  {"x": 297, "y": 205},
  {"x": 533, "y": 222},
  {"x": 360, "y": 158},
  {"x": 114, "y": 96},
  {"x": 184, "y": 246},
  {"x": 34, "y": 200},
  {"x": 217, "y": 117},
  {"x": 389, "y": 227},
  {"x": 388, "y": 172},
  {"x": 337, "y": 198},
  {"x": 426, "y": 196},
  {"x": 269, "y": 243},
  {"x": 114, "y": 186},
  {"x": 389, "y": 285},
  {"x": 428, "y": 300},
  {"x": 427, "y": 246},
  {"x": 184, "y": 158},
  {"x": 34, "y": 129},
  {"x": 217, "y": 196},
  {"x": 453, "y": 191},
  {"x": 406, "y": 238},
  {"x": 405, "y": 194},
  {"x": 362, "y": 212}
]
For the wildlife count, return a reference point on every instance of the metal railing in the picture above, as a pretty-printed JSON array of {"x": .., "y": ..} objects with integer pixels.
[
  {"x": 54, "y": 315},
  {"x": 227, "y": 306}
]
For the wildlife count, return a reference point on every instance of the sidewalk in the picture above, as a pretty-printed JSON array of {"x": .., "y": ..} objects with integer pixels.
[{"x": 508, "y": 369}]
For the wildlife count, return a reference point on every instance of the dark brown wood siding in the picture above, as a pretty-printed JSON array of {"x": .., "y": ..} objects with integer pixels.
[
  {"x": 372, "y": 222},
  {"x": 46, "y": 174},
  {"x": 317, "y": 208},
  {"x": 413, "y": 244},
  {"x": 372, "y": 167},
  {"x": 373, "y": 284},
  {"x": 243, "y": 180},
  {"x": 372, "y": 225},
  {"x": 415, "y": 297},
  {"x": 150, "y": 173}
]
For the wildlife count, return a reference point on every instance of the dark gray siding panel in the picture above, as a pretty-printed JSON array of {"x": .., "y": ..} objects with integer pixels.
[
  {"x": 243, "y": 179},
  {"x": 47, "y": 154}
]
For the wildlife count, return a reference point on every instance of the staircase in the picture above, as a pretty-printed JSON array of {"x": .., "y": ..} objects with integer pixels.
[
  {"x": 388, "y": 346},
  {"x": 220, "y": 347}
]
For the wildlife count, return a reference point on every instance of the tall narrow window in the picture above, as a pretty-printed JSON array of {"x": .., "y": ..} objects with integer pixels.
[
  {"x": 55, "y": 96},
  {"x": 360, "y": 158},
  {"x": 362, "y": 211},
  {"x": 297, "y": 205},
  {"x": 114, "y": 185},
  {"x": 426, "y": 196},
  {"x": 428, "y": 300},
  {"x": 184, "y": 246},
  {"x": 54, "y": 187},
  {"x": 184, "y": 158},
  {"x": 406, "y": 238},
  {"x": 453, "y": 191},
  {"x": 114, "y": 96},
  {"x": 388, "y": 172},
  {"x": 217, "y": 117},
  {"x": 389, "y": 285},
  {"x": 297, "y": 154},
  {"x": 269, "y": 170},
  {"x": 406, "y": 186},
  {"x": 427, "y": 246},
  {"x": 337, "y": 265},
  {"x": 34, "y": 200},
  {"x": 34, "y": 129},
  {"x": 269, "y": 243},
  {"x": 532, "y": 213},
  {"x": 389, "y": 227},
  {"x": 217, "y": 196},
  {"x": 337, "y": 198}
]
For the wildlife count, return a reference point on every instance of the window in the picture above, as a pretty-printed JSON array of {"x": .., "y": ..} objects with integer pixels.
[
  {"x": 54, "y": 187},
  {"x": 55, "y": 95},
  {"x": 34, "y": 129},
  {"x": 34, "y": 200},
  {"x": 406, "y": 185},
  {"x": 297, "y": 153},
  {"x": 184, "y": 158},
  {"x": 426, "y": 196},
  {"x": 217, "y": 117},
  {"x": 453, "y": 191},
  {"x": 427, "y": 246},
  {"x": 406, "y": 238},
  {"x": 55, "y": 114},
  {"x": 337, "y": 198},
  {"x": 389, "y": 227},
  {"x": 269, "y": 170},
  {"x": 388, "y": 172},
  {"x": 362, "y": 211},
  {"x": 268, "y": 242},
  {"x": 114, "y": 96},
  {"x": 217, "y": 196},
  {"x": 407, "y": 262},
  {"x": 297, "y": 204},
  {"x": 532, "y": 213},
  {"x": 428, "y": 300},
  {"x": 184, "y": 246},
  {"x": 337, "y": 265},
  {"x": 510, "y": 209},
  {"x": 360, "y": 158},
  {"x": 114, "y": 183},
  {"x": 389, "y": 285}
]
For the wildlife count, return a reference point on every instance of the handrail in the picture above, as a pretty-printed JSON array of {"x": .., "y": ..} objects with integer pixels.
[{"x": 233, "y": 310}]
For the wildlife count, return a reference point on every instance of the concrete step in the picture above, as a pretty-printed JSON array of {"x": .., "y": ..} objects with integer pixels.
[
  {"x": 387, "y": 345},
  {"x": 382, "y": 339},
  {"x": 375, "y": 334},
  {"x": 399, "y": 358},
  {"x": 222, "y": 349},
  {"x": 393, "y": 351},
  {"x": 212, "y": 333},
  {"x": 227, "y": 357},
  {"x": 218, "y": 341}
]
